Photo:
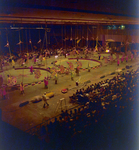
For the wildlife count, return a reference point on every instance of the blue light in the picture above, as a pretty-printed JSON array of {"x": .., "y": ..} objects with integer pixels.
[
  {"x": 114, "y": 27},
  {"x": 109, "y": 27}
]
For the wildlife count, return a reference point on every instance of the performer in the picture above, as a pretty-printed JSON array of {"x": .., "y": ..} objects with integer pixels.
[
  {"x": 44, "y": 98},
  {"x": 106, "y": 60},
  {"x": 46, "y": 82},
  {"x": 22, "y": 61},
  {"x": 131, "y": 56},
  {"x": 88, "y": 67},
  {"x": 34, "y": 59},
  {"x": 77, "y": 58},
  {"x": 64, "y": 53},
  {"x": 111, "y": 59},
  {"x": 22, "y": 88},
  {"x": 99, "y": 56},
  {"x": 126, "y": 58},
  {"x": 3, "y": 93},
  {"x": 41, "y": 58},
  {"x": 31, "y": 70},
  {"x": 48, "y": 54},
  {"x": 72, "y": 75},
  {"x": 77, "y": 82},
  {"x": 77, "y": 71},
  {"x": 118, "y": 62},
  {"x": 27, "y": 55},
  {"x": 8, "y": 79},
  {"x": 122, "y": 59},
  {"x": 13, "y": 63},
  {"x": 45, "y": 54},
  {"x": 1, "y": 65},
  {"x": 56, "y": 78}
]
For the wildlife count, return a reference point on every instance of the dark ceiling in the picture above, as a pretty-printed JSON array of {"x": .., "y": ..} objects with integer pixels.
[{"x": 70, "y": 11}]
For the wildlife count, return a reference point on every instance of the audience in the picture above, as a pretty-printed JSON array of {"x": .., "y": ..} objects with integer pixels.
[{"x": 105, "y": 100}]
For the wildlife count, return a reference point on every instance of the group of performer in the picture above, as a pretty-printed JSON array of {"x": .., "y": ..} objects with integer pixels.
[
  {"x": 39, "y": 57},
  {"x": 125, "y": 58}
]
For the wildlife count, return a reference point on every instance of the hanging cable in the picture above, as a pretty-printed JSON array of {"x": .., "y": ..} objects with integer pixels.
[
  {"x": 46, "y": 34},
  {"x": 30, "y": 41},
  {"x": 48, "y": 38},
  {"x": 82, "y": 36},
  {"x": 71, "y": 36},
  {"x": 65, "y": 36},
  {"x": 19, "y": 42},
  {"x": 75, "y": 36},
  {"x": 26, "y": 42},
  {"x": 87, "y": 36},
  {"x": 43, "y": 41},
  {"x": 55, "y": 39},
  {"x": 62, "y": 36},
  {"x": 39, "y": 42},
  {"x": 8, "y": 45},
  {"x": 22, "y": 39}
]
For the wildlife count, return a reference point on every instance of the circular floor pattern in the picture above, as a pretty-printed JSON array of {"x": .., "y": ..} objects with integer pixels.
[
  {"x": 23, "y": 75},
  {"x": 92, "y": 63}
]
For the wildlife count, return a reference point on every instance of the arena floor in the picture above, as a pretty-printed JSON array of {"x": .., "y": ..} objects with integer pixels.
[{"x": 33, "y": 113}]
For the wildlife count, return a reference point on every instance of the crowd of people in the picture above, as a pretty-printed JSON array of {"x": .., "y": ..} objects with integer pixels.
[
  {"x": 37, "y": 56},
  {"x": 107, "y": 106}
]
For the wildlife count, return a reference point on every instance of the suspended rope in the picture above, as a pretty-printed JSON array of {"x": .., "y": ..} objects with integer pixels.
[
  {"x": 19, "y": 42},
  {"x": 62, "y": 35},
  {"x": 103, "y": 40},
  {"x": 87, "y": 36},
  {"x": 65, "y": 37},
  {"x": 26, "y": 42},
  {"x": 71, "y": 36},
  {"x": 8, "y": 45},
  {"x": 75, "y": 36},
  {"x": 30, "y": 42},
  {"x": 46, "y": 34},
  {"x": 55, "y": 39},
  {"x": 82, "y": 36},
  {"x": 22, "y": 75},
  {"x": 48, "y": 38},
  {"x": 43, "y": 41},
  {"x": 96, "y": 47},
  {"x": 22, "y": 39},
  {"x": 107, "y": 46},
  {"x": 93, "y": 36},
  {"x": 112, "y": 31},
  {"x": 39, "y": 42}
]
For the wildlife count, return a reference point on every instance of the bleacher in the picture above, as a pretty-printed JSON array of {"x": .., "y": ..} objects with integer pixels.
[{"x": 107, "y": 121}]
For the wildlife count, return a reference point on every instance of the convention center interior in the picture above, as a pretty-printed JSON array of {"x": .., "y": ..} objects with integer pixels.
[{"x": 69, "y": 75}]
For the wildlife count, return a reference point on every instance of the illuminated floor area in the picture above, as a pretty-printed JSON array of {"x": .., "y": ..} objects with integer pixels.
[
  {"x": 23, "y": 75},
  {"x": 74, "y": 62},
  {"x": 33, "y": 113}
]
